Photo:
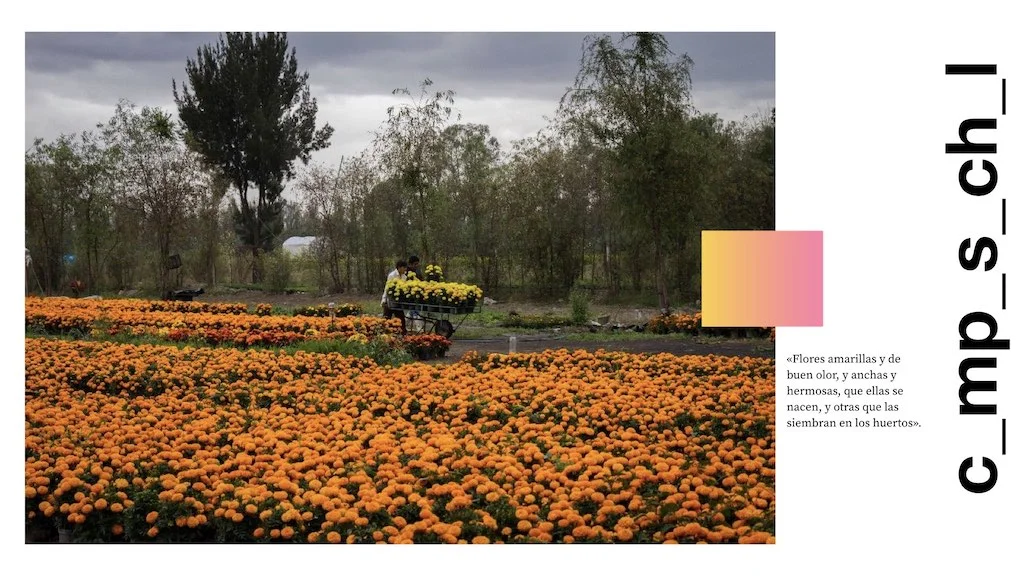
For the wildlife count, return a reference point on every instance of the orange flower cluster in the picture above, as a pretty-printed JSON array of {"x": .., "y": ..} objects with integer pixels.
[
  {"x": 668, "y": 323},
  {"x": 426, "y": 346},
  {"x": 126, "y": 316},
  {"x": 178, "y": 306},
  {"x": 142, "y": 305},
  {"x": 155, "y": 443},
  {"x": 691, "y": 324}
]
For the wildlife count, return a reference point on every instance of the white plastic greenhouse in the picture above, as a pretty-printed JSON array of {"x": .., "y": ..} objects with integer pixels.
[{"x": 298, "y": 244}]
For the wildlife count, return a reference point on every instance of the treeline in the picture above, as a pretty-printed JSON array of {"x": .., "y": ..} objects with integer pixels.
[
  {"x": 611, "y": 196},
  {"x": 109, "y": 208}
]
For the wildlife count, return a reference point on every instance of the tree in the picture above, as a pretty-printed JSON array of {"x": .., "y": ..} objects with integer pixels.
[
  {"x": 157, "y": 176},
  {"x": 66, "y": 205},
  {"x": 208, "y": 228},
  {"x": 51, "y": 189},
  {"x": 706, "y": 158},
  {"x": 756, "y": 185},
  {"x": 249, "y": 112},
  {"x": 634, "y": 97},
  {"x": 298, "y": 219},
  {"x": 407, "y": 148},
  {"x": 471, "y": 156},
  {"x": 324, "y": 200},
  {"x": 546, "y": 202},
  {"x": 91, "y": 227}
]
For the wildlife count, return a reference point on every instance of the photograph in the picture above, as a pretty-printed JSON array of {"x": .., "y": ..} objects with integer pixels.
[{"x": 399, "y": 287}]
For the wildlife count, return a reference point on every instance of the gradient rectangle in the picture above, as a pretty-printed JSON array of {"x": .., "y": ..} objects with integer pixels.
[{"x": 761, "y": 278}]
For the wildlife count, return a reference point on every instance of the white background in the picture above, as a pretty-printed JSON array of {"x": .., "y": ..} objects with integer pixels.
[{"x": 864, "y": 111}]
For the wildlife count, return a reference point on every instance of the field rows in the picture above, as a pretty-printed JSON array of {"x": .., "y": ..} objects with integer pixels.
[
  {"x": 135, "y": 317},
  {"x": 156, "y": 443}
]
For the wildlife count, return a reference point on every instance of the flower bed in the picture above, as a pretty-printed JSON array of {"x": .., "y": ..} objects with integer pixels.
[
  {"x": 177, "y": 306},
  {"x": 691, "y": 324},
  {"x": 324, "y": 311},
  {"x": 427, "y": 346},
  {"x": 118, "y": 304},
  {"x": 64, "y": 315},
  {"x": 155, "y": 443}
]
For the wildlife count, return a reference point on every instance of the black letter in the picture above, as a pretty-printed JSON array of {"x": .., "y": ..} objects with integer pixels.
[
  {"x": 975, "y": 259},
  {"x": 969, "y": 386},
  {"x": 970, "y": 68},
  {"x": 969, "y": 147},
  {"x": 993, "y": 177},
  {"x": 976, "y": 487},
  {"x": 967, "y": 343}
]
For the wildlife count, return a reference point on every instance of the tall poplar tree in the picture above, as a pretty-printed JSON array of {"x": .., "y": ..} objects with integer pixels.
[{"x": 249, "y": 112}]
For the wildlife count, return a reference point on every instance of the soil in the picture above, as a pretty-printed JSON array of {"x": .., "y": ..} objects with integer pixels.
[
  {"x": 623, "y": 314},
  {"x": 754, "y": 348},
  {"x": 525, "y": 342},
  {"x": 252, "y": 297}
]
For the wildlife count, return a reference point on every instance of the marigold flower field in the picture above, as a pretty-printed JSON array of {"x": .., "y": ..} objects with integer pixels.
[
  {"x": 213, "y": 324},
  {"x": 153, "y": 443}
]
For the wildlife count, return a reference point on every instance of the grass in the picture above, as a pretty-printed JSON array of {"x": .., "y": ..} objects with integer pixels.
[
  {"x": 231, "y": 286},
  {"x": 630, "y": 336},
  {"x": 75, "y": 335},
  {"x": 627, "y": 336},
  {"x": 264, "y": 288},
  {"x": 381, "y": 355},
  {"x": 490, "y": 332},
  {"x": 489, "y": 318},
  {"x": 585, "y": 335}
]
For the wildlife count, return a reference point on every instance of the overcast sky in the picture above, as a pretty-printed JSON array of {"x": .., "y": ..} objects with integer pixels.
[{"x": 509, "y": 81}]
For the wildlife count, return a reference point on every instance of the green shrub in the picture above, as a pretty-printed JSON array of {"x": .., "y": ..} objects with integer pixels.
[
  {"x": 535, "y": 322},
  {"x": 580, "y": 301},
  {"x": 277, "y": 271}
]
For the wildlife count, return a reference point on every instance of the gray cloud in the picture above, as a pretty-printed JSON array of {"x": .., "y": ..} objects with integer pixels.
[
  {"x": 464, "y": 58},
  {"x": 70, "y": 51},
  {"x": 506, "y": 80}
]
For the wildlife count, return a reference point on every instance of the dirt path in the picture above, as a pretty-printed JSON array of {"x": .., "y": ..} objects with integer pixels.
[
  {"x": 678, "y": 347},
  {"x": 526, "y": 343}
]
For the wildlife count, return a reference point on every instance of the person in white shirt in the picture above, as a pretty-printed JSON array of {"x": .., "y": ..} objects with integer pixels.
[
  {"x": 414, "y": 266},
  {"x": 398, "y": 272},
  {"x": 413, "y": 272}
]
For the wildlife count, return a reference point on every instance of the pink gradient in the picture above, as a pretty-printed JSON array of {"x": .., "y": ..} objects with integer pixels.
[{"x": 761, "y": 278}]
